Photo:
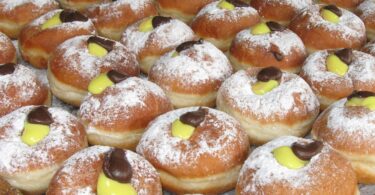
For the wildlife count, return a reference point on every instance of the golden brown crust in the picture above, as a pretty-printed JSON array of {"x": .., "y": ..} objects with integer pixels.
[
  {"x": 7, "y": 189},
  {"x": 191, "y": 8},
  {"x": 79, "y": 5},
  {"x": 347, "y": 4},
  {"x": 8, "y": 52}
]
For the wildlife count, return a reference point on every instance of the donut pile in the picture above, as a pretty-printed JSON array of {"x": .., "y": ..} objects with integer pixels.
[{"x": 188, "y": 97}]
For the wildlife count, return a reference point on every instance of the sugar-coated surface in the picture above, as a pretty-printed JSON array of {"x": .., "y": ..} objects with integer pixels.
[
  {"x": 367, "y": 8},
  {"x": 215, "y": 13},
  {"x": 16, "y": 155},
  {"x": 296, "y": 4},
  {"x": 274, "y": 104},
  {"x": 11, "y": 4}
]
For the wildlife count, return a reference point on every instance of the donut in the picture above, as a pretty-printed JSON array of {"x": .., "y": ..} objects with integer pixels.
[
  {"x": 267, "y": 44},
  {"x": 219, "y": 21},
  {"x": 8, "y": 52},
  {"x": 80, "y": 5},
  {"x": 269, "y": 103},
  {"x": 20, "y": 86},
  {"x": 348, "y": 126},
  {"x": 154, "y": 36},
  {"x": 15, "y": 14},
  {"x": 192, "y": 147},
  {"x": 366, "y": 11},
  {"x": 334, "y": 75},
  {"x": 112, "y": 18},
  {"x": 369, "y": 48},
  {"x": 38, "y": 39},
  {"x": 89, "y": 170},
  {"x": 281, "y": 11},
  {"x": 328, "y": 27},
  {"x": 75, "y": 62},
  {"x": 291, "y": 165},
  {"x": 182, "y": 10},
  {"x": 118, "y": 114},
  {"x": 34, "y": 142},
  {"x": 192, "y": 74},
  {"x": 346, "y": 4}
]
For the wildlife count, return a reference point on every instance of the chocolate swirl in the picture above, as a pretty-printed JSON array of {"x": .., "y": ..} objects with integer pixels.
[
  {"x": 194, "y": 118},
  {"x": 117, "y": 167},
  {"x": 333, "y": 9},
  {"x": 360, "y": 94},
  {"x": 159, "y": 20},
  {"x": 305, "y": 151},
  {"x": 238, "y": 3},
  {"x": 40, "y": 115},
  {"x": 269, "y": 73},
  {"x": 7, "y": 68},
  {"x": 116, "y": 77},
  {"x": 346, "y": 55},
  {"x": 105, "y": 43},
  {"x": 274, "y": 26},
  {"x": 187, "y": 45},
  {"x": 71, "y": 16}
]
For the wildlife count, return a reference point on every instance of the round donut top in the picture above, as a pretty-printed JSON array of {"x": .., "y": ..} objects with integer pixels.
[
  {"x": 134, "y": 5},
  {"x": 199, "y": 64},
  {"x": 121, "y": 102},
  {"x": 274, "y": 105},
  {"x": 268, "y": 171},
  {"x": 7, "y": 49},
  {"x": 72, "y": 183},
  {"x": 213, "y": 12},
  {"x": 66, "y": 136},
  {"x": 74, "y": 59},
  {"x": 348, "y": 27},
  {"x": 24, "y": 81},
  {"x": 165, "y": 36},
  {"x": 66, "y": 26},
  {"x": 366, "y": 9},
  {"x": 295, "y": 4},
  {"x": 11, "y": 4},
  {"x": 361, "y": 69},
  {"x": 219, "y": 140},
  {"x": 284, "y": 41}
]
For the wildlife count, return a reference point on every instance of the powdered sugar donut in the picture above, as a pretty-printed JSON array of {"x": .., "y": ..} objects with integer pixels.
[
  {"x": 112, "y": 18},
  {"x": 366, "y": 11},
  {"x": 219, "y": 25},
  {"x": 191, "y": 74},
  {"x": 73, "y": 177},
  {"x": 289, "y": 108},
  {"x": 154, "y": 36},
  {"x": 80, "y": 5},
  {"x": 30, "y": 166},
  {"x": 360, "y": 76},
  {"x": 278, "y": 47},
  {"x": 8, "y": 52},
  {"x": 317, "y": 33},
  {"x": 347, "y": 4},
  {"x": 215, "y": 150},
  {"x": 119, "y": 115},
  {"x": 15, "y": 14},
  {"x": 323, "y": 173}
]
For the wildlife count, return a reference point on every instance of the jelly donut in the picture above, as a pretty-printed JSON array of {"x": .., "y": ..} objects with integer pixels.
[
  {"x": 80, "y": 59},
  {"x": 182, "y": 10},
  {"x": 346, "y": 4},
  {"x": 8, "y": 52},
  {"x": 111, "y": 171},
  {"x": 333, "y": 75},
  {"x": 269, "y": 103},
  {"x": 111, "y": 19},
  {"x": 15, "y": 14},
  {"x": 291, "y": 165},
  {"x": 154, "y": 36},
  {"x": 38, "y": 39},
  {"x": 329, "y": 27},
  {"x": 366, "y": 11},
  {"x": 281, "y": 11},
  {"x": 219, "y": 21},
  {"x": 192, "y": 74},
  {"x": 20, "y": 86},
  {"x": 117, "y": 114},
  {"x": 35, "y": 141},
  {"x": 80, "y": 5},
  {"x": 369, "y": 48},
  {"x": 192, "y": 147},
  {"x": 267, "y": 44},
  {"x": 348, "y": 126}
]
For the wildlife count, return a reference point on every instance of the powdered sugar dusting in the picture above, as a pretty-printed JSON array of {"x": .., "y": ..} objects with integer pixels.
[
  {"x": 362, "y": 68},
  {"x": 134, "y": 5},
  {"x": 274, "y": 104},
  {"x": 199, "y": 64},
  {"x": 268, "y": 170},
  {"x": 11, "y": 4},
  {"x": 285, "y": 40},
  {"x": 16, "y": 155},
  {"x": 297, "y": 5},
  {"x": 215, "y": 13},
  {"x": 367, "y": 9}
]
